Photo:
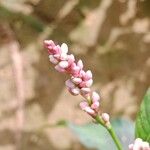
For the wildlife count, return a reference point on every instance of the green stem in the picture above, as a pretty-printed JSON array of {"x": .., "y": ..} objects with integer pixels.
[
  {"x": 115, "y": 138},
  {"x": 111, "y": 132}
]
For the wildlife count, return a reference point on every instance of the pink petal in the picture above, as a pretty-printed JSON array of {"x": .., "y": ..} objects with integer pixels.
[
  {"x": 88, "y": 75},
  {"x": 89, "y": 83},
  {"x": 71, "y": 59},
  {"x": 69, "y": 84},
  {"x": 76, "y": 80},
  {"x": 95, "y": 96},
  {"x": 138, "y": 144},
  {"x": 131, "y": 147},
  {"x": 55, "y": 50},
  {"x": 89, "y": 110},
  {"x": 105, "y": 117},
  {"x": 82, "y": 84},
  {"x": 75, "y": 70},
  {"x": 80, "y": 64},
  {"x": 85, "y": 91},
  {"x": 49, "y": 42},
  {"x": 75, "y": 91},
  {"x": 83, "y": 105},
  {"x": 52, "y": 59},
  {"x": 58, "y": 68},
  {"x": 57, "y": 56},
  {"x": 63, "y": 56},
  {"x": 63, "y": 64},
  {"x": 145, "y": 146},
  {"x": 95, "y": 105},
  {"x": 82, "y": 73},
  {"x": 64, "y": 48}
]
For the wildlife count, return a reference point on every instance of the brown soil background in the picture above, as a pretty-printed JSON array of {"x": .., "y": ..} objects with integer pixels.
[{"x": 111, "y": 36}]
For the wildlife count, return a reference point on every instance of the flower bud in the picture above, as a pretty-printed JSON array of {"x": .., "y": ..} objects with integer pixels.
[
  {"x": 52, "y": 59},
  {"x": 48, "y": 43},
  {"x": 63, "y": 56},
  {"x": 95, "y": 105},
  {"x": 131, "y": 147},
  {"x": 76, "y": 80},
  {"x": 80, "y": 64},
  {"x": 64, "y": 48},
  {"x": 146, "y": 146},
  {"x": 69, "y": 84},
  {"x": 55, "y": 50},
  {"x": 75, "y": 91},
  {"x": 70, "y": 59},
  {"x": 85, "y": 91},
  {"x": 58, "y": 68},
  {"x": 89, "y": 110},
  {"x": 139, "y": 145},
  {"x": 63, "y": 64},
  {"x": 83, "y": 105},
  {"x": 88, "y": 75},
  {"x": 105, "y": 117},
  {"x": 57, "y": 56},
  {"x": 95, "y": 96},
  {"x": 89, "y": 83}
]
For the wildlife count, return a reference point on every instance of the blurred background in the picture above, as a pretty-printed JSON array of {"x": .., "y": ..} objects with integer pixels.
[{"x": 111, "y": 36}]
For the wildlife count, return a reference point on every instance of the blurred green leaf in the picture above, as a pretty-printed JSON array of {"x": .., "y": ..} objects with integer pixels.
[
  {"x": 7, "y": 15},
  {"x": 63, "y": 123},
  {"x": 143, "y": 119},
  {"x": 95, "y": 136}
]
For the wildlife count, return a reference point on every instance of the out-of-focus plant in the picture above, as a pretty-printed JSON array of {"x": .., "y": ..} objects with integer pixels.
[
  {"x": 80, "y": 83},
  {"x": 10, "y": 16}
]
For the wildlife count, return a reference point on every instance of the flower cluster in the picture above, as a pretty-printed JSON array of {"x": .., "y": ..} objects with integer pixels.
[
  {"x": 139, "y": 145},
  {"x": 80, "y": 81}
]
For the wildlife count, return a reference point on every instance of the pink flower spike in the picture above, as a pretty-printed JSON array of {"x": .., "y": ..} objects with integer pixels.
[
  {"x": 95, "y": 105},
  {"x": 69, "y": 84},
  {"x": 52, "y": 59},
  {"x": 58, "y": 68},
  {"x": 83, "y": 105},
  {"x": 80, "y": 64},
  {"x": 63, "y": 64},
  {"x": 95, "y": 96},
  {"x": 88, "y": 75},
  {"x": 64, "y": 48},
  {"x": 76, "y": 80}
]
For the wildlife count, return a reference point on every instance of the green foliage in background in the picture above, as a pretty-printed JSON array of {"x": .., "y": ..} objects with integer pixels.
[
  {"x": 95, "y": 136},
  {"x": 143, "y": 119},
  {"x": 32, "y": 21}
]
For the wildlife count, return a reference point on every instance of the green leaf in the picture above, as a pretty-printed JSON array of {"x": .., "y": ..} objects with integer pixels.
[
  {"x": 30, "y": 20},
  {"x": 96, "y": 137},
  {"x": 142, "y": 129}
]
